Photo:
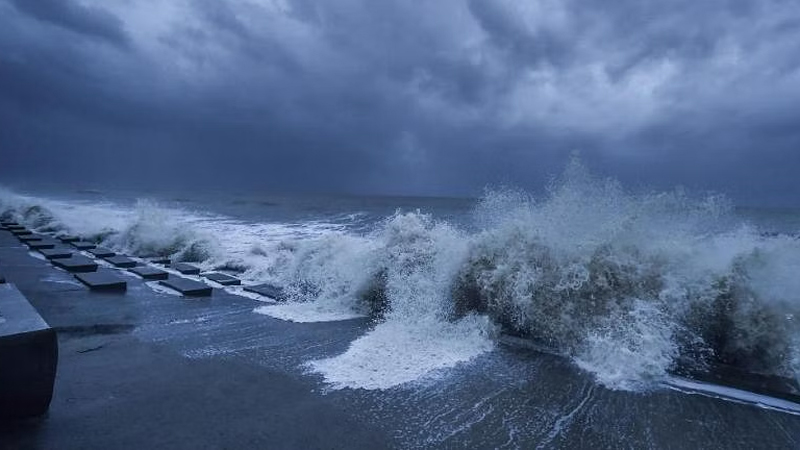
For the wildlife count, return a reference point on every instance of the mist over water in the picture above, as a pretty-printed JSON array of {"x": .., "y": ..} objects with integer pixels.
[{"x": 630, "y": 286}]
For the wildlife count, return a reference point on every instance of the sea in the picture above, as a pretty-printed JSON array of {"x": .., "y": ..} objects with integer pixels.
[{"x": 639, "y": 290}]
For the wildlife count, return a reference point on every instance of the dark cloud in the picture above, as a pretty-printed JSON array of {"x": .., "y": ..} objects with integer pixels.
[
  {"x": 91, "y": 21},
  {"x": 391, "y": 97}
]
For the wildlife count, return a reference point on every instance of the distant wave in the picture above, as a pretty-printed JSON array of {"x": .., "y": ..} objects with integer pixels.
[{"x": 632, "y": 287}]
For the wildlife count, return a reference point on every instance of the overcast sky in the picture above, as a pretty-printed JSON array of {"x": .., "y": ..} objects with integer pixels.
[{"x": 440, "y": 97}]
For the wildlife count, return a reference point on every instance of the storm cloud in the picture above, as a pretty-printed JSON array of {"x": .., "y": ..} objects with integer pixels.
[{"x": 437, "y": 98}]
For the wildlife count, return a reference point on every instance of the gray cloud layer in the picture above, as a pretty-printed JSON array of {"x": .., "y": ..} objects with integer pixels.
[{"x": 435, "y": 98}]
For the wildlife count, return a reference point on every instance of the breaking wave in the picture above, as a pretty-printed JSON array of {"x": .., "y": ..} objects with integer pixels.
[
  {"x": 631, "y": 287},
  {"x": 146, "y": 229}
]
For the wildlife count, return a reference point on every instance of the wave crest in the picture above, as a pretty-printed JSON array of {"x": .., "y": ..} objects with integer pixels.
[{"x": 157, "y": 231}]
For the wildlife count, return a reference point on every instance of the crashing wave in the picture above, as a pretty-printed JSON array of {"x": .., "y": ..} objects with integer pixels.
[
  {"x": 147, "y": 229},
  {"x": 632, "y": 287},
  {"x": 157, "y": 231}
]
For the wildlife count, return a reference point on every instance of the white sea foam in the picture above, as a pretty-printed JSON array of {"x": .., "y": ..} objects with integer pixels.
[
  {"x": 37, "y": 255},
  {"x": 418, "y": 259},
  {"x": 397, "y": 352},
  {"x": 307, "y": 313},
  {"x": 732, "y": 394},
  {"x": 157, "y": 287}
]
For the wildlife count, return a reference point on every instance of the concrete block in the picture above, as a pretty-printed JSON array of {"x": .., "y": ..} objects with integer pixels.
[
  {"x": 8, "y": 223},
  {"x": 121, "y": 261},
  {"x": 30, "y": 237},
  {"x": 102, "y": 280},
  {"x": 76, "y": 264},
  {"x": 56, "y": 253},
  {"x": 223, "y": 279},
  {"x": 2, "y": 280},
  {"x": 15, "y": 227},
  {"x": 21, "y": 232},
  {"x": 101, "y": 252},
  {"x": 68, "y": 238},
  {"x": 83, "y": 245},
  {"x": 186, "y": 269},
  {"x": 268, "y": 290},
  {"x": 43, "y": 244},
  {"x": 150, "y": 273},
  {"x": 187, "y": 287},
  {"x": 160, "y": 260},
  {"x": 28, "y": 356}
]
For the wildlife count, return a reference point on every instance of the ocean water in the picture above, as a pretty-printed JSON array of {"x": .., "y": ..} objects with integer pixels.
[{"x": 631, "y": 287}]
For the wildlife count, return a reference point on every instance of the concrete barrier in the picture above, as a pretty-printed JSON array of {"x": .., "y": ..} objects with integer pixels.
[
  {"x": 186, "y": 269},
  {"x": 82, "y": 245},
  {"x": 56, "y": 253},
  {"x": 150, "y": 273},
  {"x": 30, "y": 237},
  {"x": 101, "y": 252},
  {"x": 42, "y": 244},
  {"x": 76, "y": 264},
  {"x": 223, "y": 279},
  {"x": 102, "y": 280},
  {"x": 187, "y": 287},
  {"x": 121, "y": 261},
  {"x": 28, "y": 357}
]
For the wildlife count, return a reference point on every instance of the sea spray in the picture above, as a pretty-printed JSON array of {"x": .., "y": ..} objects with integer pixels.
[
  {"x": 417, "y": 258},
  {"x": 91, "y": 220},
  {"x": 147, "y": 229},
  {"x": 324, "y": 273},
  {"x": 632, "y": 285},
  {"x": 156, "y": 231}
]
